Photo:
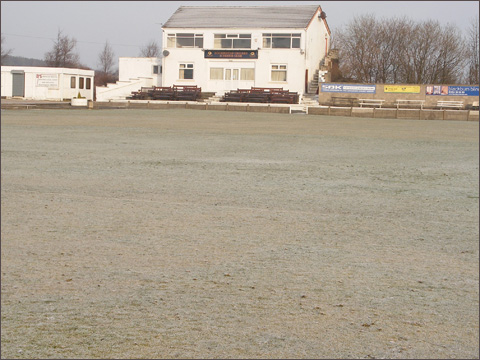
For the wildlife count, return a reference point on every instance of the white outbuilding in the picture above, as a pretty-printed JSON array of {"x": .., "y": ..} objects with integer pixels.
[
  {"x": 46, "y": 83},
  {"x": 220, "y": 48}
]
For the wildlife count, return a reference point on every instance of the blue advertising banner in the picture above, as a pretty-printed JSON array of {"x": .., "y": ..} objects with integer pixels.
[
  {"x": 341, "y": 88},
  {"x": 452, "y": 90},
  {"x": 230, "y": 54}
]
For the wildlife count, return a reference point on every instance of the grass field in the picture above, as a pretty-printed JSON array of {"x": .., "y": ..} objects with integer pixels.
[{"x": 210, "y": 234}]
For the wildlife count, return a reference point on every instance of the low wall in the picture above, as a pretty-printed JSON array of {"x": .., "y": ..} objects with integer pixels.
[
  {"x": 393, "y": 113},
  {"x": 425, "y": 114},
  {"x": 146, "y": 104}
]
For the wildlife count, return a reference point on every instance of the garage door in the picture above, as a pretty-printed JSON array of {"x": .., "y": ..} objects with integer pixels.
[{"x": 18, "y": 83}]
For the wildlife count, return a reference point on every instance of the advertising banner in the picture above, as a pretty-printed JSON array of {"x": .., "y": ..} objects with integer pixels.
[
  {"x": 452, "y": 90},
  {"x": 411, "y": 89},
  {"x": 230, "y": 54},
  {"x": 341, "y": 88},
  {"x": 47, "y": 80}
]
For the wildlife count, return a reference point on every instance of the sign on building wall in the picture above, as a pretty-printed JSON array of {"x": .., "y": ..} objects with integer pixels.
[
  {"x": 452, "y": 90},
  {"x": 412, "y": 89},
  {"x": 341, "y": 88},
  {"x": 229, "y": 54},
  {"x": 47, "y": 80}
]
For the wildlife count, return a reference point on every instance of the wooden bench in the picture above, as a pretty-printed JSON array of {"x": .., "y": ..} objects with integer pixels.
[
  {"x": 338, "y": 100},
  {"x": 163, "y": 93},
  {"x": 371, "y": 102},
  {"x": 404, "y": 102},
  {"x": 283, "y": 97},
  {"x": 262, "y": 95},
  {"x": 233, "y": 96},
  {"x": 143, "y": 94},
  {"x": 259, "y": 89},
  {"x": 187, "y": 92},
  {"x": 449, "y": 104}
]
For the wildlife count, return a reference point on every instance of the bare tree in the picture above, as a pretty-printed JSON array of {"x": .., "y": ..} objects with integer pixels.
[
  {"x": 106, "y": 74},
  {"x": 472, "y": 44},
  {"x": 106, "y": 59},
  {"x": 357, "y": 49},
  {"x": 150, "y": 50},
  {"x": 390, "y": 42},
  {"x": 418, "y": 57},
  {"x": 451, "y": 58},
  {"x": 401, "y": 51},
  {"x": 5, "y": 52},
  {"x": 63, "y": 52}
]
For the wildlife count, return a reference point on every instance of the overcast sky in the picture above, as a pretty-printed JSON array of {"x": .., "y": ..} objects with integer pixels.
[{"x": 30, "y": 27}]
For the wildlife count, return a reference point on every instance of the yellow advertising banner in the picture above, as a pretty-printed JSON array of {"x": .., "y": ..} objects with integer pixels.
[{"x": 402, "y": 89}]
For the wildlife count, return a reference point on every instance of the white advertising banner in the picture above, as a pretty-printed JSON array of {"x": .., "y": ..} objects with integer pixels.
[
  {"x": 47, "y": 80},
  {"x": 341, "y": 88}
]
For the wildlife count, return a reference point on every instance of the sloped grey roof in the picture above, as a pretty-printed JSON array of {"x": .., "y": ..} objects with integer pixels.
[{"x": 241, "y": 17}]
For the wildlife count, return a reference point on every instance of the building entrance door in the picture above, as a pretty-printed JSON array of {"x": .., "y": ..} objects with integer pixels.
[{"x": 232, "y": 78}]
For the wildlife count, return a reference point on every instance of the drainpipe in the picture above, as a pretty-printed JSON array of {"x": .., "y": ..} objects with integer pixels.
[{"x": 326, "y": 45}]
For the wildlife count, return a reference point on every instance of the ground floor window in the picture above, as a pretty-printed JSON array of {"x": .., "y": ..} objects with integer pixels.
[
  {"x": 81, "y": 83},
  {"x": 247, "y": 74},
  {"x": 73, "y": 82},
  {"x": 279, "y": 72},
  {"x": 216, "y": 73},
  {"x": 232, "y": 74},
  {"x": 88, "y": 85},
  {"x": 186, "y": 71}
]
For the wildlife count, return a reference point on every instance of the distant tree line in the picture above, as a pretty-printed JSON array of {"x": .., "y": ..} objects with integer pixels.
[
  {"x": 400, "y": 50},
  {"x": 64, "y": 54},
  {"x": 5, "y": 52}
]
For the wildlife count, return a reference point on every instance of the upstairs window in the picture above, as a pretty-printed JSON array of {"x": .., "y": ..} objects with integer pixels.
[
  {"x": 281, "y": 41},
  {"x": 185, "y": 40},
  {"x": 232, "y": 41},
  {"x": 157, "y": 69}
]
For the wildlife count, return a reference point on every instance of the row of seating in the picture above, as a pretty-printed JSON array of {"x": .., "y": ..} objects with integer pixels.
[
  {"x": 349, "y": 101},
  {"x": 261, "y": 95},
  {"x": 175, "y": 92}
]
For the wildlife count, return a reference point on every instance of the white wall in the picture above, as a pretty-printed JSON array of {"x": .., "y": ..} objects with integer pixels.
[
  {"x": 45, "y": 83},
  {"x": 136, "y": 67},
  {"x": 312, "y": 50},
  {"x": 317, "y": 37},
  {"x": 121, "y": 90}
]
